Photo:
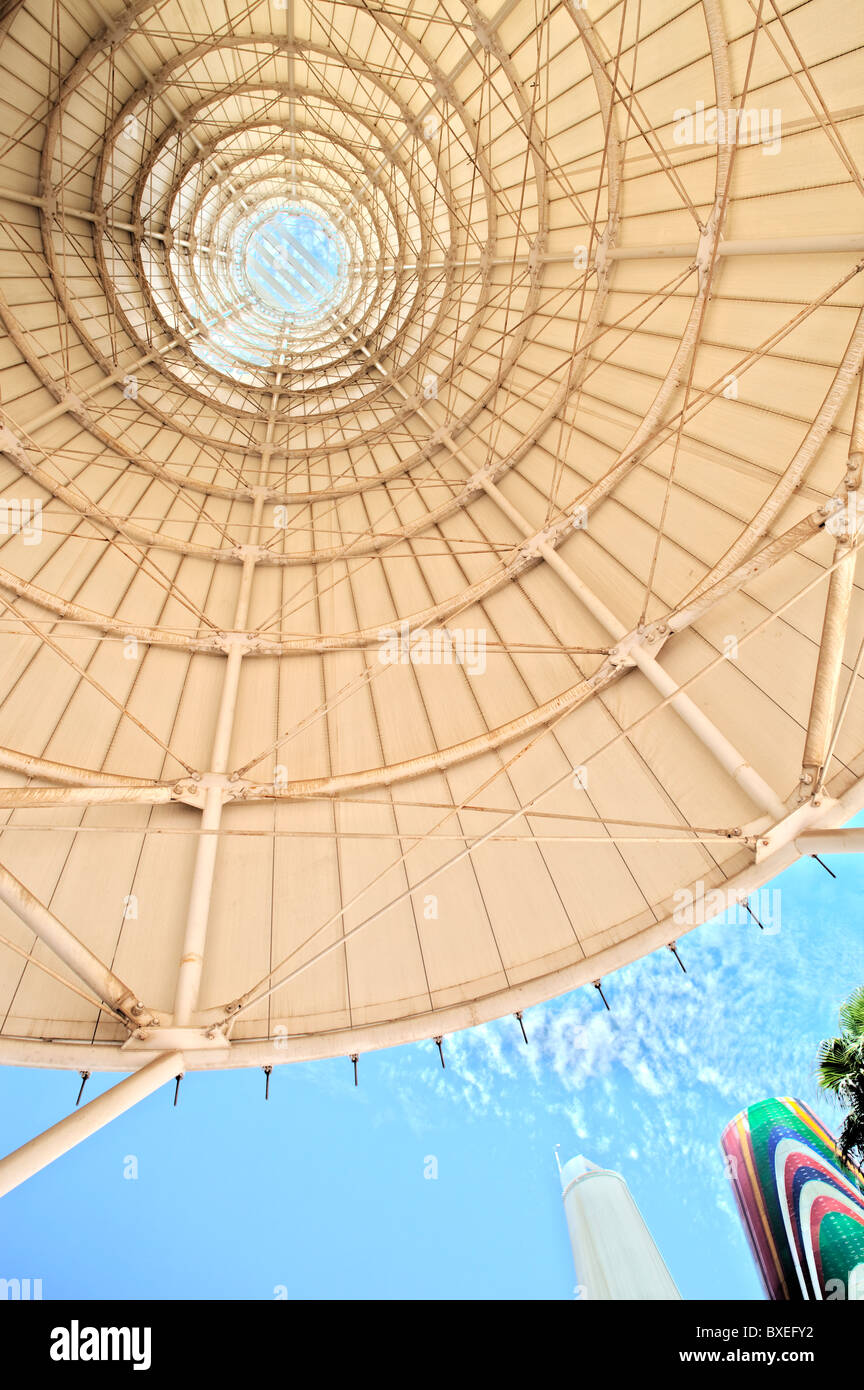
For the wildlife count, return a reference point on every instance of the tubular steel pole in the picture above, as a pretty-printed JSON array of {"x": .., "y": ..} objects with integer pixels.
[
  {"x": 829, "y": 665},
  {"x": 80, "y": 959},
  {"x": 60, "y": 1138},
  {"x": 192, "y": 957}
]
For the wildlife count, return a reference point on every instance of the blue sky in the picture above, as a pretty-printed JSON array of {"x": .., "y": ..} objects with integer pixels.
[{"x": 321, "y": 1191}]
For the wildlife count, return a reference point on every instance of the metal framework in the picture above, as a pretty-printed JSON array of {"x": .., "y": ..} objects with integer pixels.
[{"x": 584, "y": 390}]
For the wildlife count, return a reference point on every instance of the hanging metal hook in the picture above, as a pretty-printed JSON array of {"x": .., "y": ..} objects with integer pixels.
[
  {"x": 824, "y": 865},
  {"x": 177, "y": 1080},
  {"x": 267, "y": 1071},
  {"x": 521, "y": 1024},
  {"x": 599, "y": 988},
  {"x": 439, "y": 1044},
  {"x": 85, "y": 1075},
  {"x": 753, "y": 915},
  {"x": 354, "y": 1060},
  {"x": 673, "y": 947}
]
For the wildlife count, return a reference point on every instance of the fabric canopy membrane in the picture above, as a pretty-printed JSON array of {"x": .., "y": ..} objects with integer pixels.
[{"x": 431, "y": 441}]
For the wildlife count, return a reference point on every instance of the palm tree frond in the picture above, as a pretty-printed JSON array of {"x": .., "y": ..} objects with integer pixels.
[
  {"x": 851, "y": 1142},
  {"x": 852, "y": 1016},
  {"x": 835, "y": 1064},
  {"x": 840, "y": 1069}
]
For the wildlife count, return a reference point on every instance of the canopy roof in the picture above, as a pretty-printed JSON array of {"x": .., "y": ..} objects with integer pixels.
[{"x": 431, "y": 441}]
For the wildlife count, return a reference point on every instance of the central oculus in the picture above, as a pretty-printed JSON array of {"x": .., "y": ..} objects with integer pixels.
[{"x": 295, "y": 263}]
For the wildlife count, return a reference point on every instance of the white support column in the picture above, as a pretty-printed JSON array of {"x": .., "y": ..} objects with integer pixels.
[
  {"x": 838, "y": 602},
  {"x": 60, "y": 1138},
  {"x": 192, "y": 956},
  {"x": 103, "y": 982},
  {"x": 195, "y": 936},
  {"x": 848, "y": 840},
  {"x": 826, "y": 683}
]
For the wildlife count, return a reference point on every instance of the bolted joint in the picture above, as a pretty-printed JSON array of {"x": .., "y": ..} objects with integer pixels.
[
  {"x": 532, "y": 548},
  {"x": 477, "y": 481},
  {"x": 808, "y": 783},
  {"x": 604, "y": 246},
  {"x": 116, "y": 31},
  {"x": 10, "y": 444},
  {"x": 230, "y": 641},
  {"x": 619, "y": 659},
  {"x": 655, "y": 635},
  {"x": 622, "y": 653},
  {"x": 705, "y": 248},
  {"x": 535, "y": 255},
  {"x": 137, "y": 1015}
]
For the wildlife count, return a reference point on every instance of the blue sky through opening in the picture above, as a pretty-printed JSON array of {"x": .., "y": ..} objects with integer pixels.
[{"x": 294, "y": 263}]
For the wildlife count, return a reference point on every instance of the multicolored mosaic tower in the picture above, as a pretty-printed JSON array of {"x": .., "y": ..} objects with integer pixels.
[{"x": 802, "y": 1209}]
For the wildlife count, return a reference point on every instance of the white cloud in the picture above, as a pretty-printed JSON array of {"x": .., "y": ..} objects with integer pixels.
[{"x": 654, "y": 1081}]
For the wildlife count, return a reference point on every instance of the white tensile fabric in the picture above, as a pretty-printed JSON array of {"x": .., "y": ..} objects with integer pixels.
[{"x": 430, "y": 438}]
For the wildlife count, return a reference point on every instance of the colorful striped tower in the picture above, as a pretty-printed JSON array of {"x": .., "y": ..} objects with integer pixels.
[{"x": 802, "y": 1209}]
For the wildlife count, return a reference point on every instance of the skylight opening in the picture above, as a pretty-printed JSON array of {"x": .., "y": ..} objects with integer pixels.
[{"x": 295, "y": 262}]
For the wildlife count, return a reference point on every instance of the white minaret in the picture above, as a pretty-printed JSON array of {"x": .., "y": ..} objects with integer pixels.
[{"x": 613, "y": 1250}]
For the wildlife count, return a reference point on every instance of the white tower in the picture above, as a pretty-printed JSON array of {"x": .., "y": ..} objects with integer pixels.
[{"x": 613, "y": 1250}]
